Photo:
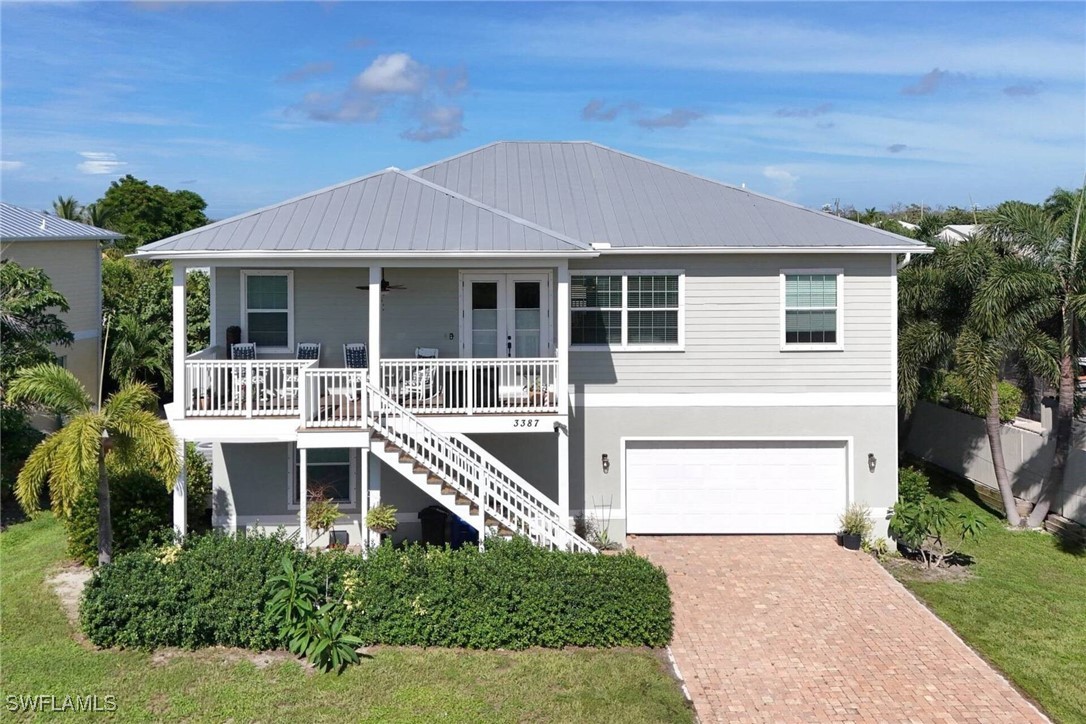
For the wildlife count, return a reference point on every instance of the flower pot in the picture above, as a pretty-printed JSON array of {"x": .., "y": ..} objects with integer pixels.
[{"x": 851, "y": 542}]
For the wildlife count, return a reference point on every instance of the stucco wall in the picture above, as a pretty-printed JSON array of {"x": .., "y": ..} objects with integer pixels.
[{"x": 957, "y": 442}]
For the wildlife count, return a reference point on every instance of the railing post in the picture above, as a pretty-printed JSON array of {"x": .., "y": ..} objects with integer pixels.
[
  {"x": 303, "y": 384},
  {"x": 250, "y": 388},
  {"x": 469, "y": 387}
]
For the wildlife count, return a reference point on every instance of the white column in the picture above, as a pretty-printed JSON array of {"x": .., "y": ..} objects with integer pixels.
[
  {"x": 562, "y": 350},
  {"x": 179, "y": 337},
  {"x": 373, "y": 493},
  {"x": 375, "y": 325},
  {"x": 180, "y": 496},
  {"x": 303, "y": 488},
  {"x": 212, "y": 285}
]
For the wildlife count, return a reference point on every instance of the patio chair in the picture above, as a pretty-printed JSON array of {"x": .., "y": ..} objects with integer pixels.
[
  {"x": 352, "y": 386},
  {"x": 239, "y": 378},
  {"x": 422, "y": 384},
  {"x": 355, "y": 356},
  {"x": 427, "y": 352},
  {"x": 524, "y": 390},
  {"x": 292, "y": 381}
]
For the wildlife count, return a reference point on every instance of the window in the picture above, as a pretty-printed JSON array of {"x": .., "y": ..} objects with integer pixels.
[
  {"x": 811, "y": 309},
  {"x": 616, "y": 310},
  {"x": 330, "y": 470},
  {"x": 268, "y": 308}
]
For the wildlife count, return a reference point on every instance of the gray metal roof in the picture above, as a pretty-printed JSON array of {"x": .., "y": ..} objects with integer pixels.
[
  {"x": 387, "y": 212},
  {"x": 600, "y": 195},
  {"x": 21, "y": 224}
]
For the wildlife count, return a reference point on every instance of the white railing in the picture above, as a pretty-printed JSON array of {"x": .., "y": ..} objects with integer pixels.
[
  {"x": 334, "y": 397},
  {"x": 242, "y": 388},
  {"x": 472, "y": 386},
  {"x": 472, "y": 472}
]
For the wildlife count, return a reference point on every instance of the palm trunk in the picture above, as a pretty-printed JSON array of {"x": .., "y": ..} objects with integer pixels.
[
  {"x": 1065, "y": 412},
  {"x": 105, "y": 524},
  {"x": 994, "y": 427}
]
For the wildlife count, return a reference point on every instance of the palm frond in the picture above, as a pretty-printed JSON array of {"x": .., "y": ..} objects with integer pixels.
[
  {"x": 35, "y": 472},
  {"x": 978, "y": 360},
  {"x": 76, "y": 460},
  {"x": 146, "y": 443},
  {"x": 51, "y": 387},
  {"x": 131, "y": 397},
  {"x": 1040, "y": 353}
]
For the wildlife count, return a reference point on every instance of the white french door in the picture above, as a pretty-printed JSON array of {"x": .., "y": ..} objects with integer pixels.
[{"x": 505, "y": 315}]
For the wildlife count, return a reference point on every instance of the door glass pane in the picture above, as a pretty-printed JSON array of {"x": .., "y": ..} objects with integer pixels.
[
  {"x": 527, "y": 327},
  {"x": 484, "y": 319}
]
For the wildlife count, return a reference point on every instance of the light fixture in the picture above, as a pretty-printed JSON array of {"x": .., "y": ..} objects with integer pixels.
[
  {"x": 872, "y": 461},
  {"x": 606, "y": 464}
]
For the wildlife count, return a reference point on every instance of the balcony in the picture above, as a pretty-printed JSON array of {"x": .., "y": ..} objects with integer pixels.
[{"x": 335, "y": 397}]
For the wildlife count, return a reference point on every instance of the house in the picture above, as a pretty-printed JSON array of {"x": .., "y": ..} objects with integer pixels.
[
  {"x": 552, "y": 330},
  {"x": 70, "y": 254}
]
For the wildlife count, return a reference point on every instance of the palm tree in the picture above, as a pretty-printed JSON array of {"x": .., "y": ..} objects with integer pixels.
[
  {"x": 67, "y": 208},
  {"x": 1050, "y": 258},
  {"x": 141, "y": 351},
  {"x": 124, "y": 430},
  {"x": 97, "y": 215}
]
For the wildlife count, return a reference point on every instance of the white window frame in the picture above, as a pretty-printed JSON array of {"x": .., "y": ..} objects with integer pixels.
[
  {"x": 292, "y": 477},
  {"x": 289, "y": 274},
  {"x": 839, "y": 345},
  {"x": 625, "y": 345}
]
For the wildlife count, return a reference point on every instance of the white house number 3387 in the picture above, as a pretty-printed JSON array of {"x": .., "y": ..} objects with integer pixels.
[{"x": 526, "y": 422}]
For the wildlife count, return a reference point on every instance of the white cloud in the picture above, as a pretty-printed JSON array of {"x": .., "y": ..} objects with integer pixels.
[
  {"x": 11, "y": 165},
  {"x": 786, "y": 181},
  {"x": 393, "y": 73},
  {"x": 437, "y": 122},
  {"x": 99, "y": 162}
]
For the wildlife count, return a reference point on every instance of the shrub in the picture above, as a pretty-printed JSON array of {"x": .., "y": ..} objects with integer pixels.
[
  {"x": 932, "y": 530},
  {"x": 19, "y": 438},
  {"x": 513, "y": 595},
  {"x": 956, "y": 394},
  {"x": 856, "y": 520},
  {"x": 198, "y": 480},
  {"x": 381, "y": 519},
  {"x": 139, "y": 506},
  {"x": 912, "y": 485}
]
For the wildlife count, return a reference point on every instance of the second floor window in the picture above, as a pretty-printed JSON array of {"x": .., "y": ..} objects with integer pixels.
[
  {"x": 268, "y": 308},
  {"x": 626, "y": 310},
  {"x": 811, "y": 310}
]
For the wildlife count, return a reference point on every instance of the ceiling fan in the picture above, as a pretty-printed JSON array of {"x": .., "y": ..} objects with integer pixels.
[{"x": 385, "y": 286}]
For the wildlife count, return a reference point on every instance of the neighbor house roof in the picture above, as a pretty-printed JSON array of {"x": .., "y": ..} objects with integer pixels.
[
  {"x": 562, "y": 198},
  {"x": 21, "y": 224},
  {"x": 387, "y": 212},
  {"x": 600, "y": 195}
]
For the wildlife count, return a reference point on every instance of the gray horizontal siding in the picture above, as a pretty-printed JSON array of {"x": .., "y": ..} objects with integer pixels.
[{"x": 733, "y": 331}]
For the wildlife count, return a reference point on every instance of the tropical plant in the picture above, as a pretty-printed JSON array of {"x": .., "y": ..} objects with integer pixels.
[
  {"x": 29, "y": 323},
  {"x": 856, "y": 520},
  {"x": 126, "y": 430},
  {"x": 929, "y": 528},
  {"x": 1048, "y": 262},
  {"x": 139, "y": 351},
  {"x": 321, "y": 513},
  {"x": 381, "y": 519},
  {"x": 67, "y": 208},
  {"x": 912, "y": 485},
  {"x": 96, "y": 215},
  {"x": 146, "y": 213}
]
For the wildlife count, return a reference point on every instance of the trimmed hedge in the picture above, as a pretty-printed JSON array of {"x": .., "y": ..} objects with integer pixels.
[
  {"x": 512, "y": 596},
  {"x": 955, "y": 394}
]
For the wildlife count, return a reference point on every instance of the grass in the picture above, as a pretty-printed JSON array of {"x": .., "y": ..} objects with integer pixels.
[
  {"x": 1024, "y": 609},
  {"x": 40, "y": 656}
]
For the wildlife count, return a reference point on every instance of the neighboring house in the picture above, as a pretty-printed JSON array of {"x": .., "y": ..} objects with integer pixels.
[
  {"x": 952, "y": 233},
  {"x": 613, "y": 338},
  {"x": 70, "y": 253}
]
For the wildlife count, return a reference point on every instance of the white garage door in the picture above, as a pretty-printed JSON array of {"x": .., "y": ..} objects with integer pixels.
[{"x": 735, "y": 486}]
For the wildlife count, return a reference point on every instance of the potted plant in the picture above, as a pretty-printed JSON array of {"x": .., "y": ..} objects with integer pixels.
[
  {"x": 320, "y": 512},
  {"x": 855, "y": 526},
  {"x": 381, "y": 519}
]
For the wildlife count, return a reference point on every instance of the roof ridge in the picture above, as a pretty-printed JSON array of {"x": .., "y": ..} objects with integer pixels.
[
  {"x": 488, "y": 145},
  {"x": 752, "y": 193},
  {"x": 269, "y": 207},
  {"x": 504, "y": 214}
]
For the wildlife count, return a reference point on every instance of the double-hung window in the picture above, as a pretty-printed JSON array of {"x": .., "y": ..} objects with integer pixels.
[
  {"x": 626, "y": 310},
  {"x": 329, "y": 472},
  {"x": 268, "y": 309},
  {"x": 811, "y": 309}
]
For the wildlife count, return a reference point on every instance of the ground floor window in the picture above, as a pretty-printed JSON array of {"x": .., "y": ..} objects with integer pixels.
[{"x": 329, "y": 470}]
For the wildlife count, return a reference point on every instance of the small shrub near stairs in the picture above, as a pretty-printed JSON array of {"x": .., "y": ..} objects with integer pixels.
[{"x": 514, "y": 595}]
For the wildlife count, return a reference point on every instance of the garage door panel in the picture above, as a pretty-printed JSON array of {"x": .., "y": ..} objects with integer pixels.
[{"x": 744, "y": 486}]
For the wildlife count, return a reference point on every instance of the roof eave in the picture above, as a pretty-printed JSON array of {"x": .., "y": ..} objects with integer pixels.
[{"x": 258, "y": 255}]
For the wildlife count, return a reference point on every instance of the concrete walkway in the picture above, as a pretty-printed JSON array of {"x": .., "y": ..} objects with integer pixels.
[{"x": 796, "y": 629}]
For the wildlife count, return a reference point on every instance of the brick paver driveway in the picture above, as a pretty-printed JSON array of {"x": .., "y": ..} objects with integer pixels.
[{"x": 796, "y": 629}]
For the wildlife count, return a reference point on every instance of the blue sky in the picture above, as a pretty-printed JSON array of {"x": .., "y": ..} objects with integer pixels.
[{"x": 248, "y": 104}]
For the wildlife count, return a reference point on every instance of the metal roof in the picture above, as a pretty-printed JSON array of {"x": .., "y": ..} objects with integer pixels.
[
  {"x": 603, "y": 196},
  {"x": 22, "y": 224},
  {"x": 387, "y": 212}
]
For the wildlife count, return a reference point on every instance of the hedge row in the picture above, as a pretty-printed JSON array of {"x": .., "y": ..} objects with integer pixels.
[{"x": 512, "y": 596}]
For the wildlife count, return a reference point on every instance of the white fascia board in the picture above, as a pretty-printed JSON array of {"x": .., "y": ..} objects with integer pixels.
[
  {"x": 213, "y": 257},
  {"x": 618, "y": 250}
]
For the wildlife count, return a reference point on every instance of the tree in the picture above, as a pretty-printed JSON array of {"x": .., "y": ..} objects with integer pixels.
[
  {"x": 125, "y": 431},
  {"x": 28, "y": 318},
  {"x": 146, "y": 213},
  {"x": 97, "y": 215},
  {"x": 198, "y": 310},
  {"x": 141, "y": 351},
  {"x": 67, "y": 208},
  {"x": 1049, "y": 258}
]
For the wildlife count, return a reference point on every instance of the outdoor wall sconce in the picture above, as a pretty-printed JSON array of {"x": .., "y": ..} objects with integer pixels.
[
  {"x": 872, "y": 461},
  {"x": 606, "y": 464}
]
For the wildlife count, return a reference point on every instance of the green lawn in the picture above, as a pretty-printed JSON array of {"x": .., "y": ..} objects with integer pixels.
[
  {"x": 1024, "y": 609},
  {"x": 39, "y": 656}
]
